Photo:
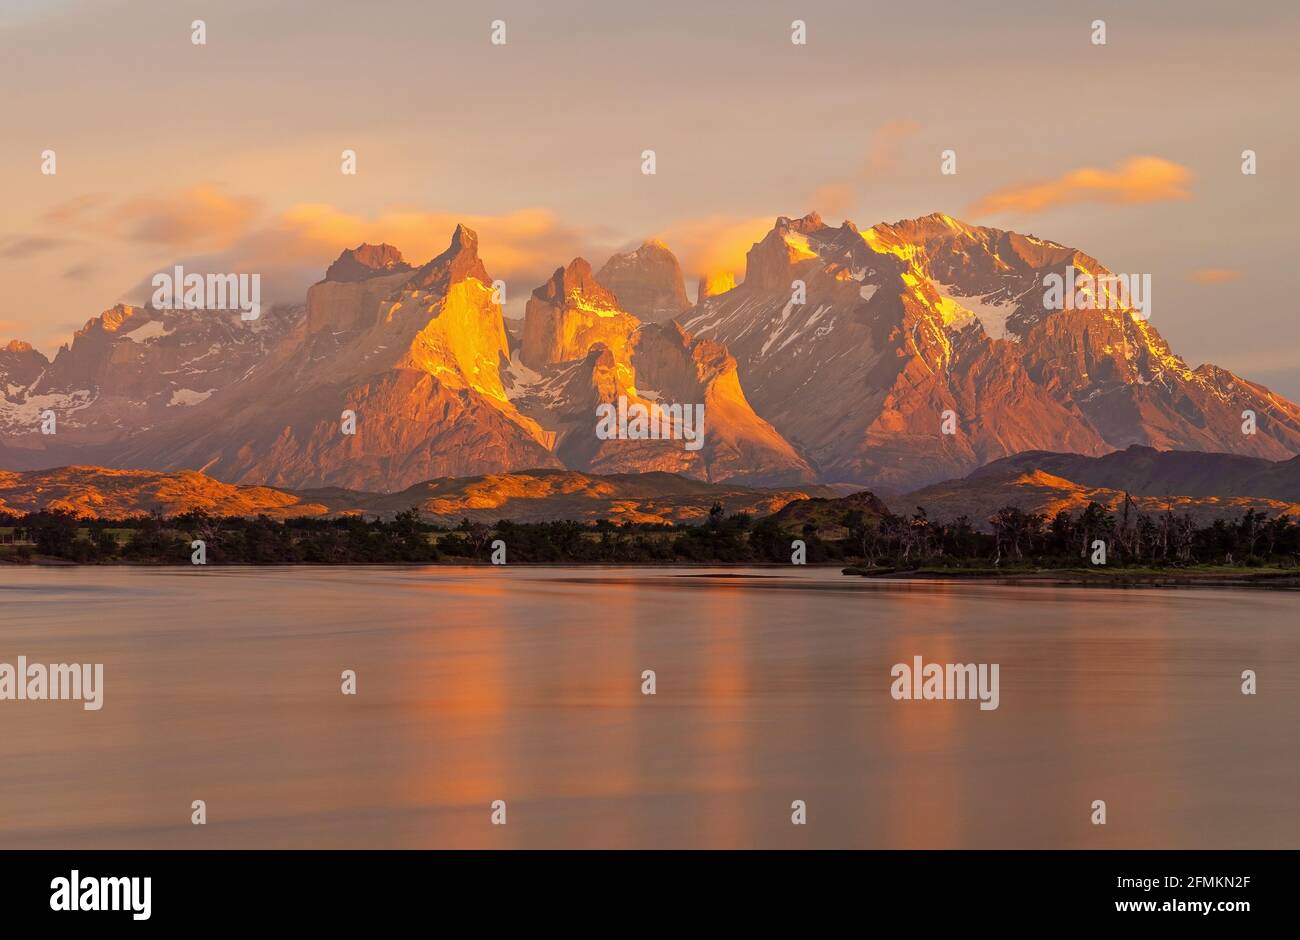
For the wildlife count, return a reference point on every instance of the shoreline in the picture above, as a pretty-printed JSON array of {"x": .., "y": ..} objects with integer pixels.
[
  {"x": 1116, "y": 578},
  {"x": 1266, "y": 579}
]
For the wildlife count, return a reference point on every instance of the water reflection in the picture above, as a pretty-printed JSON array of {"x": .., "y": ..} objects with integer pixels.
[{"x": 524, "y": 685}]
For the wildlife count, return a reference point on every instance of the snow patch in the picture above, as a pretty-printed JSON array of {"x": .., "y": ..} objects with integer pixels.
[
  {"x": 812, "y": 321},
  {"x": 187, "y": 396},
  {"x": 780, "y": 328},
  {"x": 27, "y": 413},
  {"x": 151, "y": 330},
  {"x": 523, "y": 379},
  {"x": 992, "y": 315}
]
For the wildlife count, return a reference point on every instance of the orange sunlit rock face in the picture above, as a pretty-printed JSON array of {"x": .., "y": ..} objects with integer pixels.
[
  {"x": 905, "y": 322},
  {"x": 835, "y": 360},
  {"x": 586, "y": 350},
  {"x": 570, "y": 314},
  {"x": 713, "y": 284}
]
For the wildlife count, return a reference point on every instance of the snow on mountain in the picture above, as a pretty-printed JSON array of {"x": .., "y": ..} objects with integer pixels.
[
  {"x": 900, "y": 324},
  {"x": 903, "y": 328}
]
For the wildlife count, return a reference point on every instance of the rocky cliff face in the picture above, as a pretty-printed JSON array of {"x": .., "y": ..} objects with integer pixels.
[
  {"x": 844, "y": 356},
  {"x": 902, "y": 323},
  {"x": 648, "y": 282},
  {"x": 367, "y": 261},
  {"x": 419, "y": 369},
  {"x": 348, "y": 299},
  {"x": 20, "y": 367},
  {"x": 126, "y": 372},
  {"x": 739, "y": 445},
  {"x": 569, "y": 314},
  {"x": 584, "y": 351}
]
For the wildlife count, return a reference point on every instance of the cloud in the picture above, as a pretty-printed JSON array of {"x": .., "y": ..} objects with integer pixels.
[
  {"x": 834, "y": 200},
  {"x": 201, "y": 218},
  {"x": 527, "y": 240},
  {"x": 884, "y": 152},
  {"x": 292, "y": 250},
  {"x": 18, "y": 248},
  {"x": 76, "y": 210},
  {"x": 1213, "y": 276},
  {"x": 883, "y": 157},
  {"x": 716, "y": 244},
  {"x": 1278, "y": 358},
  {"x": 21, "y": 13},
  {"x": 1136, "y": 181}
]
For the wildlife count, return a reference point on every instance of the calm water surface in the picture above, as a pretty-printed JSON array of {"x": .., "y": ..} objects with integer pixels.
[{"x": 523, "y": 685}]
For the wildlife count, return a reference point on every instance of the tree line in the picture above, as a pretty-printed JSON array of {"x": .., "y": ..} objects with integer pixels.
[{"x": 1014, "y": 539}]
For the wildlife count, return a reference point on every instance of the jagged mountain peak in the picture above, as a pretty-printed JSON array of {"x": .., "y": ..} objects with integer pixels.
[
  {"x": 790, "y": 241},
  {"x": 911, "y": 319},
  {"x": 923, "y": 238},
  {"x": 812, "y": 222},
  {"x": 367, "y": 261},
  {"x": 569, "y": 313},
  {"x": 458, "y": 262},
  {"x": 20, "y": 365},
  {"x": 648, "y": 282},
  {"x": 651, "y": 246},
  {"x": 850, "y": 371},
  {"x": 576, "y": 284},
  {"x": 464, "y": 237},
  {"x": 110, "y": 321},
  {"x": 941, "y": 220}
]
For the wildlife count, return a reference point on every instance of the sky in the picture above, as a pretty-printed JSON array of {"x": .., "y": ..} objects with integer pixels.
[{"x": 227, "y": 156}]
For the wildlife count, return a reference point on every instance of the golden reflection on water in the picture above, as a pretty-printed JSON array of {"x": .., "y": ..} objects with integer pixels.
[{"x": 524, "y": 685}]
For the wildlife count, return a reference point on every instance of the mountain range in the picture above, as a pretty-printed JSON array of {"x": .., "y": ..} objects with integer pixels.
[
  {"x": 1207, "y": 486},
  {"x": 899, "y": 325}
]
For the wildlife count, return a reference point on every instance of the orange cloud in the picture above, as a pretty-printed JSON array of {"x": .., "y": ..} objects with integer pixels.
[
  {"x": 1136, "y": 181},
  {"x": 528, "y": 241},
  {"x": 200, "y": 218},
  {"x": 883, "y": 153},
  {"x": 1213, "y": 276},
  {"x": 18, "y": 248},
  {"x": 292, "y": 249},
  {"x": 75, "y": 210},
  {"x": 715, "y": 245},
  {"x": 834, "y": 199}
]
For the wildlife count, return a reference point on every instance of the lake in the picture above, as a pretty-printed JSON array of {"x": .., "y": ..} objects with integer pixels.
[{"x": 525, "y": 685}]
